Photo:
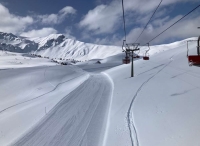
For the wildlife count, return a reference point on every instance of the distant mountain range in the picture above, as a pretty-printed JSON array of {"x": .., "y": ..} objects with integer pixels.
[{"x": 56, "y": 46}]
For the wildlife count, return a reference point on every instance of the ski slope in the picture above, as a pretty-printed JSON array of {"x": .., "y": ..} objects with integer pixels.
[
  {"x": 160, "y": 105},
  {"x": 28, "y": 94},
  {"x": 99, "y": 104},
  {"x": 78, "y": 119},
  {"x": 10, "y": 60}
]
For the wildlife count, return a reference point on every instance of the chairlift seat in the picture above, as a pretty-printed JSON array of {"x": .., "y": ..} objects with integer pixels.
[
  {"x": 126, "y": 61},
  {"x": 146, "y": 58},
  {"x": 137, "y": 56},
  {"x": 194, "y": 59}
]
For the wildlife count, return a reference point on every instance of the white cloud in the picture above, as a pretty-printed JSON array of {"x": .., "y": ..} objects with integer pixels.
[
  {"x": 56, "y": 18},
  {"x": 106, "y": 19},
  {"x": 48, "y": 19},
  {"x": 12, "y": 23},
  {"x": 184, "y": 29},
  {"x": 107, "y": 40},
  {"x": 67, "y": 10},
  {"x": 102, "y": 19},
  {"x": 68, "y": 34},
  {"x": 39, "y": 33}
]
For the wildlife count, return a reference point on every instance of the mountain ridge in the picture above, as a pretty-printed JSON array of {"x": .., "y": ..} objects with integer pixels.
[{"x": 56, "y": 46}]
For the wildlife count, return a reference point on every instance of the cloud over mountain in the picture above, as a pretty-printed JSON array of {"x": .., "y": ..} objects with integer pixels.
[{"x": 13, "y": 23}]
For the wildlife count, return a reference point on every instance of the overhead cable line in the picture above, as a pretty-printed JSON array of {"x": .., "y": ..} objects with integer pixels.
[
  {"x": 174, "y": 23},
  {"x": 124, "y": 19},
  {"x": 149, "y": 20}
]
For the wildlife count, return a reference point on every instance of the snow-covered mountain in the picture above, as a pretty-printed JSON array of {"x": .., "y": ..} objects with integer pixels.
[
  {"x": 42, "y": 103},
  {"x": 12, "y": 43},
  {"x": 56, "y": 46}
]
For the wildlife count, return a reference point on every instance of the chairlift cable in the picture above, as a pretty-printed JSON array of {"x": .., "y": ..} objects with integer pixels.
[
  {"x": 124, "y": 19},
  {"x": 149, "y": 21},
  {"x": 174, "y": 23}
]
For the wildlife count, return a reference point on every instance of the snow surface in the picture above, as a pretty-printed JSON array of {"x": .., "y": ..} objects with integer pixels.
[
  {"x": 75, "y": 120},
  {"x": 56, "y": 46},
  {"x": 48, "y": 104},
  {"x": 28, "y": 94},
  {"x": 160, "y": 105},
  {"x": 9, "y": 60}
]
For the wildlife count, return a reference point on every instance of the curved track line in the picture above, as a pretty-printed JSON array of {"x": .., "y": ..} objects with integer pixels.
[
  {"x": 40, "y": 95},
  {"x": 68, "y": 124},
  {"x": 46, "y": 78},
  {"x": 109, "y": 112},
  {"x": 130, "y": 120}
]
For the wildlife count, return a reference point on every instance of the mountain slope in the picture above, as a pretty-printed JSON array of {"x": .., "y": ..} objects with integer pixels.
[
  {"x": 160, "y": 105},
  {"x": 56, "y": 46}
]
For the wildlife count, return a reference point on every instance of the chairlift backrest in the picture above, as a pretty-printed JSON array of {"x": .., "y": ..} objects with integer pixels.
[
  {"x": 146, "y": 57},
  {"x": 194, "y": 59}
]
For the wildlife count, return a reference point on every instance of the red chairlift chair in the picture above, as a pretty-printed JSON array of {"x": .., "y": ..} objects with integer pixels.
[
  {"x": 126, "y": 60},
  {"x": 194, "y": 59},
  {"x": 146, "y": 56}
]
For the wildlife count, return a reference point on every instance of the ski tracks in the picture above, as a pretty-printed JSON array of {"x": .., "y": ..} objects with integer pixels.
[
  {"x": 54, "y": 88},
  {"x": 130, "y": 117},
  {"x": 80, "y": 118}
]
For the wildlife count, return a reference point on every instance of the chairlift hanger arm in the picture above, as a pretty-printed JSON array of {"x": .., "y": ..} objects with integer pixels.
[
  {"x": 123, "y": 50},
  {"x": 149, "y": 47},
  {"x": 137, "y": 49}
]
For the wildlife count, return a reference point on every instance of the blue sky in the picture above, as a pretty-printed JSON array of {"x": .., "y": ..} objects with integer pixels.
[{"x": 99, "y": 21}]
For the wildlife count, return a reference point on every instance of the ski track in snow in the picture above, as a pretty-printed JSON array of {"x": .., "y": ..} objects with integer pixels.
[
  {"x": 71, "y": 121},
  {"x": 55, "y": 87},
  {"x": 46, "y": 78},
  {"x": 130, "y": 117},
  {"x": 151, "y": 69}
]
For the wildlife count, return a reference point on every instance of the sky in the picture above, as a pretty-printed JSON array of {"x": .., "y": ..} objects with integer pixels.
[{"x": 100, "y": 21}]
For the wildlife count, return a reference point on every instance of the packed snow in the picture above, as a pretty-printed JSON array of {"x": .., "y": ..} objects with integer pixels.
[
  {"x": 9, "y": 60},
  {"x": 97, "y": 102},
  {"x": 160, "y": 105}
]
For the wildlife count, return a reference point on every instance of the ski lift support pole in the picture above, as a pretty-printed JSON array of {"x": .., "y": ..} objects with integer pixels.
[
  {"x": 132, "y": 63},
  {"x": 128, "y": 50},
  {"x": 198, "y": 45},
  {"x": 135, "y": 48}
]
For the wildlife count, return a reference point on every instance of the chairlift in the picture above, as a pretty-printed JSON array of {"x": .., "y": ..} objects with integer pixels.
[
  {"x": 194, "y": 59},
  {"x": 146, "y": 55},
  {"x": 126, "y": 60}
]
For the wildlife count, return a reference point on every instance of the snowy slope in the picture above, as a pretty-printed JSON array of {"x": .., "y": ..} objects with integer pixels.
[
  {"x": 56, "y": 46},
  {"x": 18, "y": 60},
  {"x": 65, "y": 105},
  {"x": 12, "y": 43},
  {"x": 160, "y": 105},
  {"x": 60, "y": 47},
  {"x": 77, "y": 120},
  {"x": 28, "y": 94}
]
